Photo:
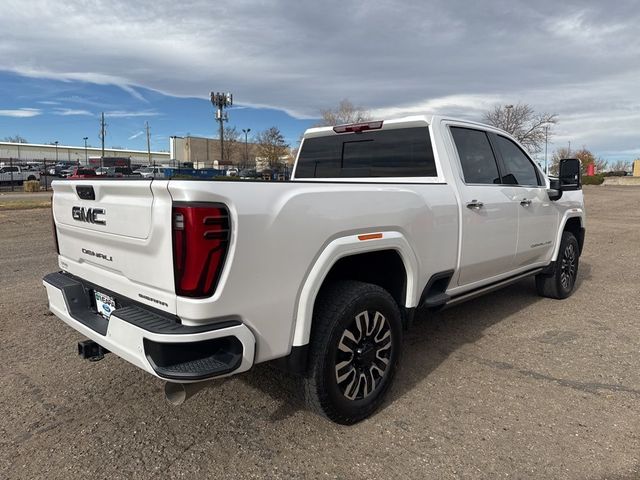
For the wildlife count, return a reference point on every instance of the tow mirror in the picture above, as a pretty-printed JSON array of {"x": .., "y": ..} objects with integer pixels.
[{"x": 569, "y": 178}]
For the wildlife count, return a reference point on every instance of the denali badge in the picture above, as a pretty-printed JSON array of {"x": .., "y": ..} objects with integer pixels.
[
  {"x": 89, "y": 215},
  {"x": 103, "y": 256}
]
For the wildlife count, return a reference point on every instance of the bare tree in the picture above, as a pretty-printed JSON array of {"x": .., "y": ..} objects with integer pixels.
[
  {"x": 620, "y": 166},
  {"x": 584, "y": 155},
  {"x": 345, "y": 112},
  {"x": 231, "y": 145},
  {"x": 15, "y": 139},
  {"x": 272, "y": 146},
  {"x": 522, "y": 121},
  {"x": 601, "y": 165}
]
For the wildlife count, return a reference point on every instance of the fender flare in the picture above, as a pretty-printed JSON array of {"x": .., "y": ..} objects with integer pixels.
[
  {"x": 343, "y": 247},
  {"x": 573, "y": 213}
]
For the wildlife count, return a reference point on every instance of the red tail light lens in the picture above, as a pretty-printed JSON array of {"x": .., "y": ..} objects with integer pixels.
[
  {"x": 200, "y": 243},
  {"x": 55, "y": 231}
]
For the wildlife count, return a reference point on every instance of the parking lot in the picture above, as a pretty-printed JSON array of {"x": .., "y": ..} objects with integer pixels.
[{"x": 509, "y": 385}]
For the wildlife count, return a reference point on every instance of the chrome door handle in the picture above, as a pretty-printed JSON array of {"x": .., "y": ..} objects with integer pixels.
[
  {"x": 475, "y": 205},
  {"x": 525, "y": 202}
]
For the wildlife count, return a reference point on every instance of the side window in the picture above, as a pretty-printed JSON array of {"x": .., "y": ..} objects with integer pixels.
[
  {"x": 518, "y": 168},
  {"x": 476, "y": 156}
]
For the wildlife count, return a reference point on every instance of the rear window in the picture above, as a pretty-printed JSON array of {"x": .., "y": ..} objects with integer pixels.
[{"x": 402, "y": 152}]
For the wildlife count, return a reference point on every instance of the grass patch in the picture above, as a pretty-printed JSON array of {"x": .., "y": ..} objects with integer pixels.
[{"x": 24, "y": 204}]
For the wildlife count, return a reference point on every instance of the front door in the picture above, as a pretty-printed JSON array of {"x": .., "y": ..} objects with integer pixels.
[
  {"x": 489, "y": 214},
  {"x": 537, "y": 216}
]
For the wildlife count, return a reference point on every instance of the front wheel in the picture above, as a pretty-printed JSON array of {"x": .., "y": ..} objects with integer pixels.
[
  {"x": 354, "y": 351},
  {"x": 561, "y": 282}
]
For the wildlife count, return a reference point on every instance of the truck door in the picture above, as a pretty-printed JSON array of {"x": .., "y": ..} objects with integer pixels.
[
  {"x": 537, "y": 216},
  {"x": 489, "y": 214}
]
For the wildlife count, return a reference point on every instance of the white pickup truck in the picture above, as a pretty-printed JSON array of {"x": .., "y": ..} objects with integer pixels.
[
  {"x": 192, "y": 280},
  {"x": 13, "y": 174}
]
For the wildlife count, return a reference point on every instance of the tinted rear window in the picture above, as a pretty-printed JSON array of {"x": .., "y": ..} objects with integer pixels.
[{"x": 403, "y": 152}]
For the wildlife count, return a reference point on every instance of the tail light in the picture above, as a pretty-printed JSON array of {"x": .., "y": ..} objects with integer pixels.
[
  {"x": 55, "y": 231},
  {"x": 200, "y": 243}
]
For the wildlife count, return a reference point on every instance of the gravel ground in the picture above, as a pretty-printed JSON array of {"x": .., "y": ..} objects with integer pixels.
[{"x": 506, "y": 386}]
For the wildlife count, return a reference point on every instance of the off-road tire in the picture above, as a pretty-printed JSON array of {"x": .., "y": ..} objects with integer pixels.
[
  {"x": 340, "y": 307},
  {"x": 561, "y": 282}
]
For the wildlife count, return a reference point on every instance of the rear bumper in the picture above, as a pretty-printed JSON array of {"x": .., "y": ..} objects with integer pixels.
[{"x": 151, "y": 340}]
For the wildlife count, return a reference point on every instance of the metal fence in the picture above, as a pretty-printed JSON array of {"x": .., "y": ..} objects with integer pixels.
[{"x": 14, "y": 172}]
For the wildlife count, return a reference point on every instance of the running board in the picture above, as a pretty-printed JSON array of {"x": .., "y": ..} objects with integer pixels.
[{"x": 490, "y": 288}]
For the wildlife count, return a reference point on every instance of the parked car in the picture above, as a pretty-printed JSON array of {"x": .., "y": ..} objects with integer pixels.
[
  {"x": 192, "y": 280},
  {"x": 232, "y": 172},
  {"x": 119, "y": 172},
  {"x": 16, "y": 175},
  {"x": 249, "y": 173},
  {"x": 152, "y": 172},
  {"x": 81, "y": 172},
  {"x": 102, "y": 171},
  {"x": 66, "y": 172}
]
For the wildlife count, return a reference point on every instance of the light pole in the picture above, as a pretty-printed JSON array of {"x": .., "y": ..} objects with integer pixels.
[
  {"x": 220, "y": 101},
  {"x": 246, "y": 148},
  {"x": 546, "y": 140},
  {"x": 56, "y": 144},
  {"x": 86, "y": 158},
  {"x": 508, "y": 108}
]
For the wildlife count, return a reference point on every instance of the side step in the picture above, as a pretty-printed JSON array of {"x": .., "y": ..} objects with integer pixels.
[
  {"x": 436, "y": 300},
  {"x": 490, "y": 288}
]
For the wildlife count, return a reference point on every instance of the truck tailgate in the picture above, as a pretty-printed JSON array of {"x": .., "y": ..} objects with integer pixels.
[{"x": 117, "y": 234}]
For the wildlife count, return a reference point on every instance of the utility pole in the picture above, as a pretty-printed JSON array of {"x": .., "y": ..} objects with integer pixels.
[
  {"x": 220, "y": 101},
  {"x": 86, "y": 157},
  {"x": 103, "y": 131},
  {"x": 146, "y": 124},
  {"x": 569, "y": 154},
  {"x": 56, "y": 144}
]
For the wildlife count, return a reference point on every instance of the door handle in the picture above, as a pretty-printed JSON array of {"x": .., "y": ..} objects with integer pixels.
[
  {"x": 525, "y": 202},
  {"x": 475, "y": 205}
]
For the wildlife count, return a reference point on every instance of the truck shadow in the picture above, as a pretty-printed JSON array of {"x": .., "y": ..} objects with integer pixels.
[{"x": 432, "y": 339}]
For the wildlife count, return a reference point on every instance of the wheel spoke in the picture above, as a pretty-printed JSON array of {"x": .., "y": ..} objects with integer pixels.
[
  {"x": 352, "y": 390},
  {"x": 348, "y": 370},
  {"x": 360, "y": 319},
  {"x": 347, "y": 336}
]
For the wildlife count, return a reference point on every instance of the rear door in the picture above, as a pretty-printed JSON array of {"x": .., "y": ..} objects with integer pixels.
[
  {"x": 489, "y": 215},
  {"x": 537, "y": 217}
]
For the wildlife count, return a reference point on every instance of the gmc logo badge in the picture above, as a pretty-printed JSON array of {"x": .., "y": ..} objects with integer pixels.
[{"x": 89, "y": 215}]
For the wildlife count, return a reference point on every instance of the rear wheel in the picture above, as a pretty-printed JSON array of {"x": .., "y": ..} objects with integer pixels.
[
  {"x": 561, "y": 282},
  {"x": 354, "y": 351}
]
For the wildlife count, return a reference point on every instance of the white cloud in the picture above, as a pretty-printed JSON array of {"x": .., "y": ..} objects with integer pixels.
[
  {"x": 71, "y": 111},
  {"x": 578, "y": 59},
  {"x": 136, "y": 135},
  {"x": 21, "y": 112},
  {"x": 125, "y": 113}
]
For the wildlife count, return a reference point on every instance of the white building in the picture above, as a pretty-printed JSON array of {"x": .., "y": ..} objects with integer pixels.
[{"x": 66, "y": 153}]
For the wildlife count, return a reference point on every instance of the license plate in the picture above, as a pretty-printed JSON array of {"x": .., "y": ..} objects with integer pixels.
[{"x": 105, "y": 304}]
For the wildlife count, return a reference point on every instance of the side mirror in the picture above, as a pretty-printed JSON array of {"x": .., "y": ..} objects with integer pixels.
[
  {"x": 570, "y": 174},
  {"x": 569, "y": 178}
]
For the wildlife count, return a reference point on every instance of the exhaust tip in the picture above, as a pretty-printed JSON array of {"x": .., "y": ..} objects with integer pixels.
[
  {"x": 178, "y": 393},
  {"x": 175, "y": 393}
]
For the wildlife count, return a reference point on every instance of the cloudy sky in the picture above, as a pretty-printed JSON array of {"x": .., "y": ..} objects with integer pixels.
[{"x": 64, "y": 62}]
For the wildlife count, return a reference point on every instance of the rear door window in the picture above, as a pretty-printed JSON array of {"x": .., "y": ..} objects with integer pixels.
[
  {"x": 478, "y": 162},
  {"x": 400, "y": 152}
]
